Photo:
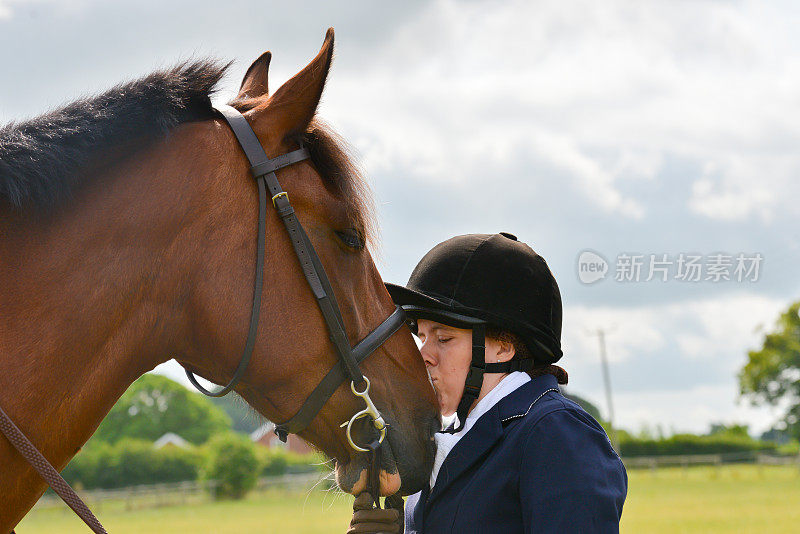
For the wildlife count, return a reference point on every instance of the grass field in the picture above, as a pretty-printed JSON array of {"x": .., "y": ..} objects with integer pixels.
[
  {"x": 276, "y": 511},
  {"x": 735, "y": 498},
  {"x": 738, "y": 498}
]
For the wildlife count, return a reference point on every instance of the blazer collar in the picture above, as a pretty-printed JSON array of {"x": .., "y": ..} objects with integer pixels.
[
  {"x": 488, "y": 429},
  {"x": 518, "y": 402}
]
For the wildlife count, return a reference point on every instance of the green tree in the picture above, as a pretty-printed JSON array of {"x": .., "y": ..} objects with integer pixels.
[
  {"x": 734, "y": 430},
  {"x": 155, "y": 405},
  {"x": 233, "y": 464},
  {"x": 772, "y": 374}
]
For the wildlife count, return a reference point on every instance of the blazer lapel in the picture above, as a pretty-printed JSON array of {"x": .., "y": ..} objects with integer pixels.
[
  {"x": 417, "y": 514},
  {"x": 471, "y": 448},
  {"x": 476, "y": 443}
]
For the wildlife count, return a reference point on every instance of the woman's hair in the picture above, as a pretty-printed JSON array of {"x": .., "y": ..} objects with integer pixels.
[{"x": 521, "y": 352}]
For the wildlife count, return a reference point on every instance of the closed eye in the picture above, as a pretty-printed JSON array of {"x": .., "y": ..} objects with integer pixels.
[{"x": 351, "y": 238}]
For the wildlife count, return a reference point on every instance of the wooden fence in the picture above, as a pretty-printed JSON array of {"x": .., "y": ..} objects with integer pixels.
[
  {"x": 157, "y": 495},
  {"x": 751, "y": 457}
]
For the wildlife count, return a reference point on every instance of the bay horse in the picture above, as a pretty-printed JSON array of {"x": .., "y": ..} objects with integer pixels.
[{"x": 127, "y": 225}]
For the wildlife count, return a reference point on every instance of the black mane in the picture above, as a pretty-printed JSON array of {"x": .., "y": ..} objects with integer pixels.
[{"x": 41, "y": 159}]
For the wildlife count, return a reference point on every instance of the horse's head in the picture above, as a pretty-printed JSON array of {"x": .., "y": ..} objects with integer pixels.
[{"x": 293, "y": 350}]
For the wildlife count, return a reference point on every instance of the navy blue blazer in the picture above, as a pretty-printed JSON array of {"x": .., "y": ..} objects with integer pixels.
[{"x": 527, "y": 465}]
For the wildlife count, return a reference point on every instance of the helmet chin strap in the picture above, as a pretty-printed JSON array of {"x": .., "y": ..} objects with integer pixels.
[
  {"x": 478, "y": 367},
  {"x": 474, "y": 381}
]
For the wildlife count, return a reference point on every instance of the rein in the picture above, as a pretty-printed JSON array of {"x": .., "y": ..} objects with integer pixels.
[
  {"x": 48, "y": 473},
  {"x": 263, "y": 169}
]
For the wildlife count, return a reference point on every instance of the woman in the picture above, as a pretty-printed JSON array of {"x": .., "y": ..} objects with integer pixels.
[{"x": 520, "y": 457}]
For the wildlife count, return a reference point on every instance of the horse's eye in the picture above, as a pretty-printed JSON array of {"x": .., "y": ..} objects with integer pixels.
[{"x": 351, "y": 238}]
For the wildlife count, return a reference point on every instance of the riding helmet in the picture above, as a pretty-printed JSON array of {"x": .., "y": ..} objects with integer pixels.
[
  {"x": 475, "y": 281},
  {"x": 493, "y": 277}
]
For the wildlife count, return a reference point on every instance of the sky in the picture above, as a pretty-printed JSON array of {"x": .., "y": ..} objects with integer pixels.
[{"x": 605, "y": 135}]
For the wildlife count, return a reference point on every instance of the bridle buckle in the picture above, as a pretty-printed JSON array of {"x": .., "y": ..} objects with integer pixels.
[{"x": 281, "y": 194}]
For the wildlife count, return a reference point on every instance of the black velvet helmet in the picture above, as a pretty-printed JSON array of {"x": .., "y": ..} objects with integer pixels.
[
  {"x": 493, "y": 277},
  {"x": 476, "y": 280}
]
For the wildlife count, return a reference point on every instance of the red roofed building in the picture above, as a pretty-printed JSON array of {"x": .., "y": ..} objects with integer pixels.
[{"x": 265, "y": 435}]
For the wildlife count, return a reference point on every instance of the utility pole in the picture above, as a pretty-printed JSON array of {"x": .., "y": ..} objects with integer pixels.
[{"x": 601, "y": 336}]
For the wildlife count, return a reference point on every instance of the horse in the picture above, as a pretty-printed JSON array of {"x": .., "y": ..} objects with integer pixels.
[{"x": 127, "y": 225}]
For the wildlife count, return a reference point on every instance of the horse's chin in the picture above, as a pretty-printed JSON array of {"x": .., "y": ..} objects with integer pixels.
[{"x": 353, "y": 479}]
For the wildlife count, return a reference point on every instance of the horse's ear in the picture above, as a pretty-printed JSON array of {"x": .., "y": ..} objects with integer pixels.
[
  {"x": 254, "y": 83},
  {"x": 293, "y": 105}
]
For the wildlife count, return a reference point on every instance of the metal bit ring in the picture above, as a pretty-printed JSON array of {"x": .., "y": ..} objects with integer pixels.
[{"x": 370, "y": 411}]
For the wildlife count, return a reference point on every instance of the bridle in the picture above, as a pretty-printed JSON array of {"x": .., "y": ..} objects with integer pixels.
[{"x": 263, "y": 170}]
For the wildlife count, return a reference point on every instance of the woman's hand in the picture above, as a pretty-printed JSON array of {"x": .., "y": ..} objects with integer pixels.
[{"x": 370, "y": 520}]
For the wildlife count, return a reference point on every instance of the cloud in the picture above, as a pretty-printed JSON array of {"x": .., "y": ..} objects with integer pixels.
[
  {"x": 707, "y": 81},
  {"x": 719, "y": 329},
  {"x": 728, "y": 189},
  {"x": 31, "y": 7}
]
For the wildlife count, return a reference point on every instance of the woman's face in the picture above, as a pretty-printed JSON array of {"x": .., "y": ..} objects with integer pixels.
[{"x": 447, "y": 352}]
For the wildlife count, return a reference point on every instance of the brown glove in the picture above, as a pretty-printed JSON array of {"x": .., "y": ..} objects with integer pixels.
[{"x": 370, "y": 520}]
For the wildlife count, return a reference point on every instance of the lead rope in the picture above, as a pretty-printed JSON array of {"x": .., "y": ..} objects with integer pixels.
[
  {"x": 394, "y": 501},
  {"x": 374, "y": 473},
  {"x": 48, "y": 473}
]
